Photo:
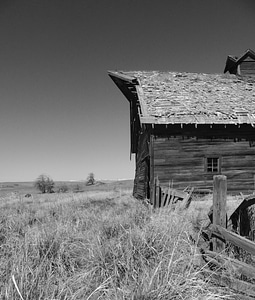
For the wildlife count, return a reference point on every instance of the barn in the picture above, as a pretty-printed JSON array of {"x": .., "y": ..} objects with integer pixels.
[{"x": 187, "y": 127}]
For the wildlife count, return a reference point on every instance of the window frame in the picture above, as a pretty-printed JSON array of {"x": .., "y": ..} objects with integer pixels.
[{"x": 219, "y": 158}]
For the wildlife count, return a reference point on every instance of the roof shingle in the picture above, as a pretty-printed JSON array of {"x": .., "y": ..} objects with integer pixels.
[{"x": 172, "y": 97}]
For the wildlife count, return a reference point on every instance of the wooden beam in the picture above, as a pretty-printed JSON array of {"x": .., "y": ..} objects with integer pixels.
[
  {"x": 170, "y": 198},
  {"x": 151, "y": 153},
  {"x": 247, "y": 289},
  {"x": 123, "y": 77},
  {"x": 186, "y": 201},
  {"x": 178, "y": 193},
  {"x": 124, "y": 87},
  {"x": 192, "y": 121},
  {"x": 140, "y": 94},
  {"x": 148, "y": 120},
  {"x": 219, "y": 207},
  {"x": 157, "y": 194},
  {"x": 239, "y": 266},
  {"x": 233, "y": 238}
]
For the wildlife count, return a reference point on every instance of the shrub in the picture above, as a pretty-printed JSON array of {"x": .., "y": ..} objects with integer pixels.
[
  {"x": 63, "y": 188},
  {"x": 44, "y": 184},
  {"x": 91, "y": 179}
]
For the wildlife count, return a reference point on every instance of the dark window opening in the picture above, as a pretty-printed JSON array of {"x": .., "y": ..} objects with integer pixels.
[{"x": 213, "y": 164}]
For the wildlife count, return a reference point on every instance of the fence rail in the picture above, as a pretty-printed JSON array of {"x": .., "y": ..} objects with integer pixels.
[{"x": 216, "y": 234}]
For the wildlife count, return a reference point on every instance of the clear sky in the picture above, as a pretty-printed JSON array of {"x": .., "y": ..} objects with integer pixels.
[{"x": 60, "y": 113}]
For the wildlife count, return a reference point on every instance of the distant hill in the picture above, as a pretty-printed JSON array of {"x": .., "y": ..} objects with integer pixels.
[{"x": 28, "y": 187}]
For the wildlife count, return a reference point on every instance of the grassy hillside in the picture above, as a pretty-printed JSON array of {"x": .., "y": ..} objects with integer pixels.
[
  {"x": 99, "y": 245},
  {"x": 22, "y": 188}
]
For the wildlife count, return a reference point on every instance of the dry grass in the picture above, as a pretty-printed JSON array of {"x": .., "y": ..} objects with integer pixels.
[{"x": 98, "y": 245}]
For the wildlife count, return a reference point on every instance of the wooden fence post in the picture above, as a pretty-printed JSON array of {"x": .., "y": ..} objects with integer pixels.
[
  {"x": 153, "y": 193},
  {"x": 219, "y": 207},
  {"x": 157, "y": 194}
]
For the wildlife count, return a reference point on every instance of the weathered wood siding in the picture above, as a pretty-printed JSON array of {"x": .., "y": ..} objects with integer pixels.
[
  {"x": 141, "y": 182},
  {"x": 182, "y": 160},
  {"x": 247, "y": 67}
]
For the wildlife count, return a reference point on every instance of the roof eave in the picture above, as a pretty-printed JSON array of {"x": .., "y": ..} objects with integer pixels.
[
  {"x": 165, "y": 121},
  {"x": 122, "y": 76}
]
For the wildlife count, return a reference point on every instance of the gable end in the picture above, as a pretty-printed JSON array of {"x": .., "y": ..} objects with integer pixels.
[{"x": 244, "y": 65}]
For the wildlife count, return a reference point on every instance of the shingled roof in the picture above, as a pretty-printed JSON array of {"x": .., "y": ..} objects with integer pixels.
[{"x": 189, "y": 98}]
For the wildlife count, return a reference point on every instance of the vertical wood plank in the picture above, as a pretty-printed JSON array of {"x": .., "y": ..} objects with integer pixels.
[
  {"x": 158, "y": 194},
  {"x": 153, "y": 193},
  {"x": 254, "y": 184},
  {"x": 219, "y": 207},
  {"x": 171, "y": 198},
  {"x": 169, "y": 194},
  {"x": 164, "y": 201},
  {"x": 152, "y": 181},
  {"x": 131, "y": 127}
]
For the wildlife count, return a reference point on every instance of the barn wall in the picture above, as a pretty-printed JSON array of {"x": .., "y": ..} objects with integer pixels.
[
  {"x": 247, "y": 67},
  {"x": 183, "y": 162},
  {"x": 141, "y": 181}
]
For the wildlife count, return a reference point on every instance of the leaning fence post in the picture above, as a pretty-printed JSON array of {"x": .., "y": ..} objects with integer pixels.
[{"x": 219, "y": 207}]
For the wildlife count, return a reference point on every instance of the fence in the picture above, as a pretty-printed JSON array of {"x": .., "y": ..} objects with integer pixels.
[
  {"x": 218, "y": 236},
  {"x": 167, "y": 196}
]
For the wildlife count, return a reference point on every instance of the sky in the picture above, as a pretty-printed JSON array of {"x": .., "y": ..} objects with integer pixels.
[{"x": 60, "y": 113}]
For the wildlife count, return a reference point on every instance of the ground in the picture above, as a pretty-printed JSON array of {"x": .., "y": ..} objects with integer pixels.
[{"x": 99, "y": 243}]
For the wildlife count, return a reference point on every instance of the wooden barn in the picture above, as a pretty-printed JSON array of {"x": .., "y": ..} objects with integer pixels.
[{"x": 187, "y": 127}]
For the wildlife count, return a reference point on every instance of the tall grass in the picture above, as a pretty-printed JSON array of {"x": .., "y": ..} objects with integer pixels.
[{"x": 98, "y": 246}]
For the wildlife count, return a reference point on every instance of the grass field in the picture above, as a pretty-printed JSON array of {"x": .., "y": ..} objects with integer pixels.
[{"x": 100, "y": 244}]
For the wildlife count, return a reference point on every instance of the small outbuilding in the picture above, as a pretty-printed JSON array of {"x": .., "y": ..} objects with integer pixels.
[
  {"x": 187, "y": 127},
  {"x": 243, "y": 65}
]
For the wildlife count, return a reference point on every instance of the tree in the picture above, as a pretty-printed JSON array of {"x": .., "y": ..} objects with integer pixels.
[
  {"x": 91, "y": 179},
  {"x": 45, "y": 184}
]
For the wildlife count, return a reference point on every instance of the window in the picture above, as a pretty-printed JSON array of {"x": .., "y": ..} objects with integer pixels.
[{"x": 212, "y": 165}]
